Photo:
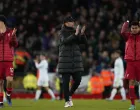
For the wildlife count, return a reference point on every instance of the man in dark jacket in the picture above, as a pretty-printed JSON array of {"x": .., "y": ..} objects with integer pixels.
[
  {"x": 70, "y": 59},
  {"x": 7, "y": 44},
  {"x": 132, "y": 57}
]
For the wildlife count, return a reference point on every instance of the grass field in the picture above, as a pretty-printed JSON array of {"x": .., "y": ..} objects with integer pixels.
[{"x": 44, "y": 104}]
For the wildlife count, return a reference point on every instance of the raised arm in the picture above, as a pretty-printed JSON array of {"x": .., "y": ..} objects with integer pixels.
[
  {"x": 82, "y": 39},
  {"x": 39, "y": 65},
  {"x": 124, "y": 30},
  {"x": 13, "y": 41},
  {"x": 70, "y": 39},
  {"x": 67, "y": 40}
]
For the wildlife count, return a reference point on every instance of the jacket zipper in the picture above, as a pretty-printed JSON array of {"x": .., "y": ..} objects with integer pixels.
[{"x": 135, "y": 48}]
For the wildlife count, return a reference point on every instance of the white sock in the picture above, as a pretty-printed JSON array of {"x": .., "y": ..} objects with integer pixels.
[
  {"x": 139, "y": 91},
  {"x": 123, "y": 94},
  {"x": 37, "y": 95},
  {"x": 4, "y": 99},
  {"x": 113, "y": 93},
  {"x": 51, "y": 93},
  {"x": 8, "y": 94},
  {"x": 70, "y": 98}
]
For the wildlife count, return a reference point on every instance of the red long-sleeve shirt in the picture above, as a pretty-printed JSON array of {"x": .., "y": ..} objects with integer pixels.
[
  {"x": 132, "y": 47},
  {"x": 7, "y": 45}
]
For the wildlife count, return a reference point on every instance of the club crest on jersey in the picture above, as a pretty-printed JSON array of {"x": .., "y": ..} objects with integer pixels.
[
  {"x": 11, "y": 70},
  {"x": 8, "y": 34}
]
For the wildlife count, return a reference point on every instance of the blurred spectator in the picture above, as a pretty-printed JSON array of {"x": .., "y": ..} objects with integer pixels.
[
  {"x": 85, "y": 63},
  {"x": 20, "y": 60},
  {"x": 108, "y": 81},
  {"x": 29, "y": 82},
  {"x": 96, "y": 84}
]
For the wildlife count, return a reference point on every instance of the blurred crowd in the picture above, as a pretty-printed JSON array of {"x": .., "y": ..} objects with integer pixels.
[{"x": 39, "y": 21}]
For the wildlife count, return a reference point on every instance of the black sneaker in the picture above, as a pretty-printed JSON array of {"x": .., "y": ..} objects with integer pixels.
[
  {"x": 1, "y": 105},
  {"x": 9, "y": 100}
]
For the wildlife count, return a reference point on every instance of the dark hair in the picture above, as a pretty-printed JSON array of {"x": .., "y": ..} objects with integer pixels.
[
  {"x": 3, "y": 19},
  {"x": 43, "y": 53},
  {"x": 68, "y": 19},
  {"x": 118, "y": 51},
  {"x": 135, "y": 23}
]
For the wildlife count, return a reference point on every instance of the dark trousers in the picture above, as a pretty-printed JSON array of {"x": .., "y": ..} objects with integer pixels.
[
  {"x": 66, "y": 80},
  {"x": 61, "y": 90}
]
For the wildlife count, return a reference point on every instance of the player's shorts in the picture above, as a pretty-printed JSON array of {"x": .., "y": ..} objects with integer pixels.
[
  {"x": 6, "y": 69},
  {"x": 133, "y": 70},
  {"x": 118, "y": 83},
  {"x": 43, "y": 82}
]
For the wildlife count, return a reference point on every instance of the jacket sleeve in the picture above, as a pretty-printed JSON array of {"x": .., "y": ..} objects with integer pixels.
[
  {"x": 13, "y": 41},
  {"x": 124, "y": 30},
  {"x": 66, "y": 40},
  {"x": 39, "y": 65}
]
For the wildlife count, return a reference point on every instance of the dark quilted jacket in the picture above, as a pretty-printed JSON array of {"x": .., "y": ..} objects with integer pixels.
[{"x": 70, "y": 59}]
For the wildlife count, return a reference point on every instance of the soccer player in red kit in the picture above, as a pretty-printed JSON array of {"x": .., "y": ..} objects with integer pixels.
[
  {"x": 7, "y": 44},
  {"x": 132, "y": 57}
]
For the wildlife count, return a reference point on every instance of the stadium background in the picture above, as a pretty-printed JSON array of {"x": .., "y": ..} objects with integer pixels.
[{"x": 39, "y": 21}]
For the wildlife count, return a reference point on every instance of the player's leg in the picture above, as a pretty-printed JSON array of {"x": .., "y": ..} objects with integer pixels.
[
  {"x": 38, "y": 93},
  {"x": 9, "y": 78},
  {"x": 1, "y": 84},
  {"x": 77, "y": 79},
  {"x": 1, "y": 93},
  {"x": 46, "y": 86},
  {"x": 9, "y": 85},
  {"x": 66, "y": 80},
  {"x": 45, "y": 83},
  {"x": 4, "y": 91},
  {"x": 113, "y": 93},
  {"x": 123, "y": 93},
  {"x": 139, "y": 91},
  {"x": 114, "y": 90},
  {"x": 130, "y": 75},
  {"x": 132, "y": 94},
  {"x": 122, "y": 90},
  {"x": 138, "y": 77},
  {"x": 61, "y": 90},
  {"x": 50, "y": 92}
]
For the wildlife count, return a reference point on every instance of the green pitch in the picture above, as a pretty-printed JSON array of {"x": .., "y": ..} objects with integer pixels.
[{"x": 45, "y": 104}]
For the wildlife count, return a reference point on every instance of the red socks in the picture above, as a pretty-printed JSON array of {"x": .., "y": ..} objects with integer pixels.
[
  {"x": 1, "y": 97},
  {"x": 9, "y": 91},
  {"x": 132, "y": 94}
]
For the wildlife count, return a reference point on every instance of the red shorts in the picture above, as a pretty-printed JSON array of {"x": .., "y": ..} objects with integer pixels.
[
  {"x": 133, "y": 70},
  {"x": 6, "y": 69}
]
